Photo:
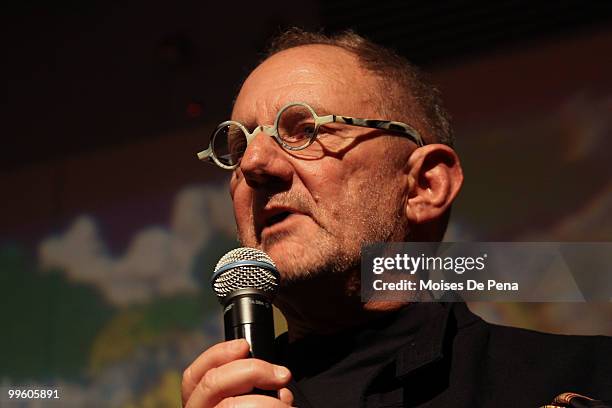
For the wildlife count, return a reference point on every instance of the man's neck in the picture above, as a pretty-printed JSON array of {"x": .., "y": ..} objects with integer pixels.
[{"x": 314, "y": 307}]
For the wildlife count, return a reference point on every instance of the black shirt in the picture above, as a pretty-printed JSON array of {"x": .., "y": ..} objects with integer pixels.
[{"x": 442, "y": 355}]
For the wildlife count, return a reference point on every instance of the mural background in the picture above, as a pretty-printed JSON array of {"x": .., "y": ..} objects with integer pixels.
[{"x": 110, "y": 227}]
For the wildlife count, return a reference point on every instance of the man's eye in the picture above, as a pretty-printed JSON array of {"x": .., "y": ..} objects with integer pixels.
[
  {"x": 308, "y": 129},
  {"x": 237, "y": 145},
  {"x": 298, "y": 133}
]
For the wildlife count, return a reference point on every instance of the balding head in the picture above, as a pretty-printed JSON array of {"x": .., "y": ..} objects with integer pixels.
[
  {"x": 321, "y": 75},
  {"x": 403, "y": 92}
]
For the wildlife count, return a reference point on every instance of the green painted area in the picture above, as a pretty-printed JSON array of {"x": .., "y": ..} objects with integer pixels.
[
  {"x": 52, "y": 327},
  {"x": 155, "y": 324},
  {"x": 48, "y": 324}
]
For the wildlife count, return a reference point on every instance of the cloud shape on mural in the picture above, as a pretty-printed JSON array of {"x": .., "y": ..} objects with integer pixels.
[{"x": 158, "y": 260}]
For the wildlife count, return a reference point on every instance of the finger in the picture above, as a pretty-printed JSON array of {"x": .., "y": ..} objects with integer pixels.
[
  {"x": 252, "y": 401},
  {"x": 237, "y": 378},
  {"x": 215, "y": 356},
  {"x": 286, "y": 396}
]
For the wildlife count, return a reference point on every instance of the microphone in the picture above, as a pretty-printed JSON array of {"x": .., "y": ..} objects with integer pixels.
[{"x": 245, "y": 281}]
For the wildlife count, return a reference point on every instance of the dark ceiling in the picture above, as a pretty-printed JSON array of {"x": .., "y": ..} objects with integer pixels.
[
  {"x": 440, "y": 32},
  {"x": 85, "y": 76}
]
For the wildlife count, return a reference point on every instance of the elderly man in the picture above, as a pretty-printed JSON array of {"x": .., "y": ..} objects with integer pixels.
[{"x": 312, "y": 182}]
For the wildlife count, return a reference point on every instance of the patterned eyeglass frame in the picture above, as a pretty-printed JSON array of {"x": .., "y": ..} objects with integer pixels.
[{"x": 396, "y": 127}]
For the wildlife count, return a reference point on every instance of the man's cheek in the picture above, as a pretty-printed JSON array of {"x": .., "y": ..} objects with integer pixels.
[
  {"x": 246, "y": 234},
  {"x": 233, "y": 184},
  {"x": 243, "y": 214},
  {"x": 244, "y": 220}
]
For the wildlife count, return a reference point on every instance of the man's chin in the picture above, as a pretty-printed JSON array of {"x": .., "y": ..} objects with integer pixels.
[
  {"x": 281, "y": 248},
  {"x": 292, "y": 258},
  {"x": 298, "y": 253}
]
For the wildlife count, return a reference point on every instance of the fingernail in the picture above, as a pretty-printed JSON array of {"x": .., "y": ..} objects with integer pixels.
[{"x": 281, "y": 372}]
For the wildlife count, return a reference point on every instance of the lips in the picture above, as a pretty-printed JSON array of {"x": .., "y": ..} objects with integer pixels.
[
  {"x": 271, "y": 216},
  {"x": 275, "y": 215}
]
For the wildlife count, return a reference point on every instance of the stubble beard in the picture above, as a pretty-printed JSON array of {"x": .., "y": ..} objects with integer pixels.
[{"x": 334, "y": 253}]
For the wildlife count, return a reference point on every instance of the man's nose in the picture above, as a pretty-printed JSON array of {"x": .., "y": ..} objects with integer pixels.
[{"x": 265, "y": 162}]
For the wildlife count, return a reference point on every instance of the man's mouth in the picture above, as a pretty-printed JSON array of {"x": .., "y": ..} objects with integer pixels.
[
  {"x": 276, "y": 218},
  {"x": 272, "y": 217}
]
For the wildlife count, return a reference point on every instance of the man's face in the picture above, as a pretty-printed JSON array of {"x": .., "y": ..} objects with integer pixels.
[{"x": 312, "y": 210}]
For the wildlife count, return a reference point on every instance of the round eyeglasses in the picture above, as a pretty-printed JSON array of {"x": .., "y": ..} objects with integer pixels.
[{"x": 295, "y": 128}]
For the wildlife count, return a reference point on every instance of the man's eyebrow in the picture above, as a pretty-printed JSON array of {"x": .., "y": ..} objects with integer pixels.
[
  {"x": 320, "y": 110},
  {"x": 248, "y": 123}
]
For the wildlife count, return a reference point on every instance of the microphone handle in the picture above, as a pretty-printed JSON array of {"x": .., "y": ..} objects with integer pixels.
[{"x": 249, "y": 316}]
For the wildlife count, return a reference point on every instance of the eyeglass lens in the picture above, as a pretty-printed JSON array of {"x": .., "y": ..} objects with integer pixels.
[
  {"x": 229, "y": 144},
  {"x": 296, "y": 126}
]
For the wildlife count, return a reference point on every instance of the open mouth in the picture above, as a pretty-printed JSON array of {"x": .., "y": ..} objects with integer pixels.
[{"x": 276, "y": 218}]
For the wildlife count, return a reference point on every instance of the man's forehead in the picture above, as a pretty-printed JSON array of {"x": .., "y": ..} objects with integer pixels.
[
  {"x": 328, "y": 78},
  {"x": 334, "y": 59}
]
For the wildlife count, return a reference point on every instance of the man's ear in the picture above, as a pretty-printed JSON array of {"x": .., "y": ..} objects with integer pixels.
[{"x": 435, "y": 176}]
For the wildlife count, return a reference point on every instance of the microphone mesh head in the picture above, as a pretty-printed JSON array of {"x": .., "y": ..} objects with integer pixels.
[{"x": 245, "y": 276}]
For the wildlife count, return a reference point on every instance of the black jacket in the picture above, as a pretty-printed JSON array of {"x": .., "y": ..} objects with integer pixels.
[{"x": 442, "y": 355}]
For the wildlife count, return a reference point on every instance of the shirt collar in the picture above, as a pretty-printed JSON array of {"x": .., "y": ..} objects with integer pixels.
[{"x": 427, "y": 344}]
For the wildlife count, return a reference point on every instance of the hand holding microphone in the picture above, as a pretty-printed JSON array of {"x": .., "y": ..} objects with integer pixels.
[{"x": 245, "y": 280}]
